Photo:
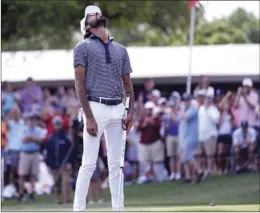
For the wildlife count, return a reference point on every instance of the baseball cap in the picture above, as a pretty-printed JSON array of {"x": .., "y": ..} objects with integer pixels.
[
  {"x": 201, "y": 92},
  {"x": 247, "y": 82},
  {"x": 91, "y": 9},
  {"x": 156, "y": 93},
  {"x": 162, "y": 101},
  {"x": 186, "y": 97},
  {"x": 149, "y": 105},
  {"x": 244, "y": 124},
  {"x": 175, "y": 94}
]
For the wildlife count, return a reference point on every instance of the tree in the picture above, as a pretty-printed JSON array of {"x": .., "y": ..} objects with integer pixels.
[
  {"x": 238, "y": 28},
  {"x": 29, "y": 25}
]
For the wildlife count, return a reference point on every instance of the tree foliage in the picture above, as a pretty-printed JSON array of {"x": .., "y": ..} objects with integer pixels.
[{"x": 42, "y": 24}]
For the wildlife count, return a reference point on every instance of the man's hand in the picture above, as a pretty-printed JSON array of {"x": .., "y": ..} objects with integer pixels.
[
  {"x": 92, "y": 127},
  {"x": 239, "y": 90},
  {"x": 229, "y": 94},
  {"x": 127, "y": 122}
]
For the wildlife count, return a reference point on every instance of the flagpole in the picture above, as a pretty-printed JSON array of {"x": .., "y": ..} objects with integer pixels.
[{"x": 191, "y": 41}]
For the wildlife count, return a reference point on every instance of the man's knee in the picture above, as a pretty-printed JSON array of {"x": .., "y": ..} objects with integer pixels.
[
  {"x": 87, "y": 167},
  {"x": 114, "y": 168}
]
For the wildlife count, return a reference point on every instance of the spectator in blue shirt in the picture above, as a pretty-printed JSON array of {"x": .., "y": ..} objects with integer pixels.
[
  {"x": 60, "y": 159},
  {"x": 172, "y": 142},
  {"x": 15, "y": 127},
  {"x": 188, "y": 137},
  {"x": 30, "y": 153}
]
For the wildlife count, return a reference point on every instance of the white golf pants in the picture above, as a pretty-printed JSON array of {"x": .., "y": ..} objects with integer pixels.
[{"x": 109, "y": 121}]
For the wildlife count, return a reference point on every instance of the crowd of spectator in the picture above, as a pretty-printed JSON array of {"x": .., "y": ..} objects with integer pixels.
[{"x": 183, "y": 137}]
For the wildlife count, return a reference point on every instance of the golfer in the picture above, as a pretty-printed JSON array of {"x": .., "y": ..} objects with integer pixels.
[{"x": 102, "y": 75}]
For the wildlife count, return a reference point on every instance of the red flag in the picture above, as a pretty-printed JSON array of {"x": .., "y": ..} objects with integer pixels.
[{"x": 192, "y": 3}]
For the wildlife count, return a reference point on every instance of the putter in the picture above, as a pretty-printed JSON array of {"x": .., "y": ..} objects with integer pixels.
[{"x": 122, "y": 158}]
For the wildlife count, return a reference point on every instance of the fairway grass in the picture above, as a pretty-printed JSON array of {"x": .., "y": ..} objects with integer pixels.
[{"x": 229, "y": 193}]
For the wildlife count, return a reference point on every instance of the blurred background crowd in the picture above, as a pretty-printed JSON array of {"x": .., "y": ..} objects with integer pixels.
[{"x": 228, "y": 135}]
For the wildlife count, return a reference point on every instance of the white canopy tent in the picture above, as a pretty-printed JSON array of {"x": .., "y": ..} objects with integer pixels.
[{"x": 147, "y": 62}]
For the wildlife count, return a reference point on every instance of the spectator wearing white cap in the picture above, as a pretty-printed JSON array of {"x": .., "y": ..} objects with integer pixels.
[
  {"x": 208, "y": 118},
  {"x": 246, "y": 103},
  {"x": 204, "y": 84},
  {"x": 156, "y": 95},
  {"x": 151, "y": 147}
]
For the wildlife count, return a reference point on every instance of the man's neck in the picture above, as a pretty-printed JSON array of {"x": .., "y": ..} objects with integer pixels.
[{"x": 102, "y": 33}]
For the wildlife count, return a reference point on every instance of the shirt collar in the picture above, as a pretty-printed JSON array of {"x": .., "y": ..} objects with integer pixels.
[{"x": 110, "y": 38}]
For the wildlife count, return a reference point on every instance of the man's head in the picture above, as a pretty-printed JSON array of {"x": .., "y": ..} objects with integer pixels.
[
  {"x": 149, "y": 85},
  {"x": 30, "y": 82},
  {"x": 209, "y": 97},
  {"x": 247, "y": 85},
  {"x": 204, "y": 82},
  {"x": 8, "y": 86},
  {"x": 57, "y": 123},
  {"x": 200, "y": 96},
  {"x": 149, "y": 107},
  {"x": 186, "y": 98},
  {"x": 92, "y": 20},
  {"x": 175, "y": 96},
  {"x": 15, "y": 113},
  {"x": 244, "y": 126},
  {"x": 156, "y": 94}
]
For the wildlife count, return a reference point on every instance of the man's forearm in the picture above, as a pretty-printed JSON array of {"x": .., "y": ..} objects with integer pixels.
[
  {"x": 83, "y": 98},
  {"x": 237, "y": 100}
]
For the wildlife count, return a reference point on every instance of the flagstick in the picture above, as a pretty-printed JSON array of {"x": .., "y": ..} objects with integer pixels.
[{"x": 191, "y": 40}]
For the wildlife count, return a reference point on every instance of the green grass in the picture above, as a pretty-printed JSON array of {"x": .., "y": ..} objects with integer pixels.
[{"x": 229, "y": 193}]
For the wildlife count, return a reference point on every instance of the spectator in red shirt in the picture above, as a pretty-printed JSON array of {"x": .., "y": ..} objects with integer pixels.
[
  {"x": 151, "y": 147},
  {"x": 49, "y": 116}
]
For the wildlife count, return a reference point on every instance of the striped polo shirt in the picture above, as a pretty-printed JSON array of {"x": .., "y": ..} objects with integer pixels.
[{"x": 106, "y": 63}]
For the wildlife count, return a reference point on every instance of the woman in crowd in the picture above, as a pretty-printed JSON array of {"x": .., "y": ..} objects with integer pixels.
[{"x": 226, "y": 124}]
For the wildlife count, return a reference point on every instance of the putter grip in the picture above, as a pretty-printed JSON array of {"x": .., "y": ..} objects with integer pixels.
[{"x": 127, "y": 101}]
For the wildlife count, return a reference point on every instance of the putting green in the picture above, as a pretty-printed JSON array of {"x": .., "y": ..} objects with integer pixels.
[
  {"x": 229, "y": 193},
  {"x": 217, "y": 208}
]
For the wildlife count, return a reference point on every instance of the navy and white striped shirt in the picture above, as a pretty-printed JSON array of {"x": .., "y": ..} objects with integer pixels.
[{"x": 106, "y": 63}]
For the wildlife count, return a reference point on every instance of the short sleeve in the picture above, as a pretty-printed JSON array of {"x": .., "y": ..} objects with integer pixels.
[
  {"x": 80, "y": 55},
  {"x": 252, "y": 136},
  {"x": 126, "y": 69},
  {"x": 192, "y": 112}
]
